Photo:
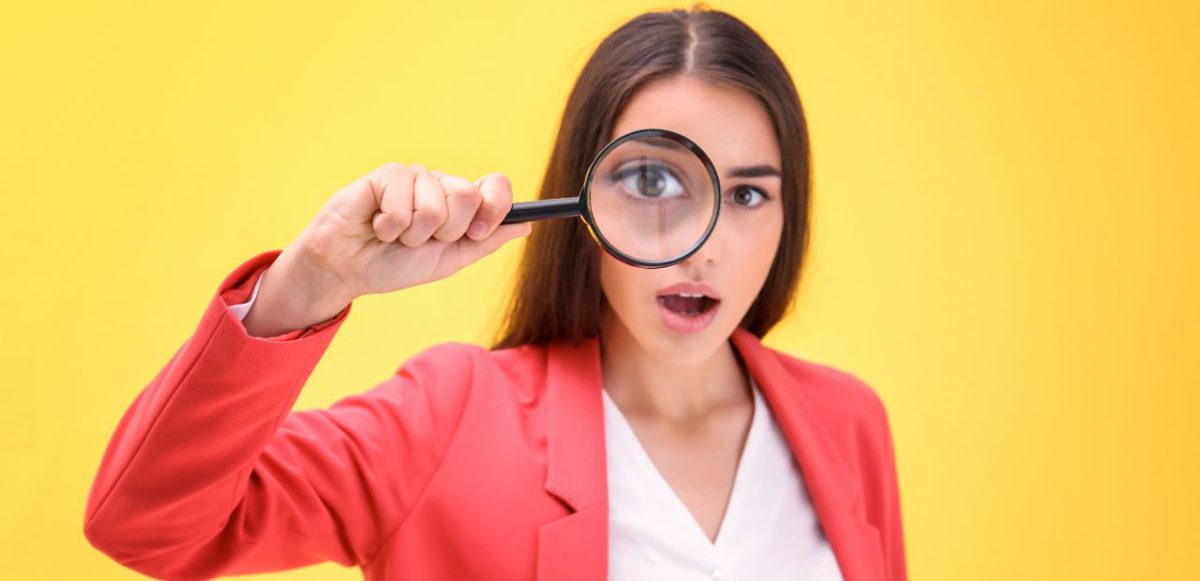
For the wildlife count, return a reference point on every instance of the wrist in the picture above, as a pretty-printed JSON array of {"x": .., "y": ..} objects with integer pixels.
[{"x": 293, "y": 295}]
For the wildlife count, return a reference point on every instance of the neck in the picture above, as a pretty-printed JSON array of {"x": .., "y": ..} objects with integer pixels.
[{"x": 677, "y": 390}]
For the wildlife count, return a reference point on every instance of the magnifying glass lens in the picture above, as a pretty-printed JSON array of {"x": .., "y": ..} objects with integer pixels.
[{"x": 652, "y": 198}]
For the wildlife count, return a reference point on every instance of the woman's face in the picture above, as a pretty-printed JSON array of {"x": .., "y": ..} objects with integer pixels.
[{"x": 736, "y": 132}]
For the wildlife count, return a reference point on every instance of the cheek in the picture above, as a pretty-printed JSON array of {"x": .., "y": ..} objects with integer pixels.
[
  {"x": 761, "y": 243},
  {"x": 769, "y": 245},
  {"x": 617, "y": 281}
]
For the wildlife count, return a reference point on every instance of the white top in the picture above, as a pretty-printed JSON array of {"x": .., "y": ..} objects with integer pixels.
[
  {"x": 240, "y": 310},
  {"x": 769, "y": 530}
]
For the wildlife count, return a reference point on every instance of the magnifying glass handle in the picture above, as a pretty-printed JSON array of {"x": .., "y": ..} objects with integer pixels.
[{"x": 542, "y": 210}]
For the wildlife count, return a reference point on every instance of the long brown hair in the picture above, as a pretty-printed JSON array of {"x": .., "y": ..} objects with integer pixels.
[{"x": 557, "y": 294}]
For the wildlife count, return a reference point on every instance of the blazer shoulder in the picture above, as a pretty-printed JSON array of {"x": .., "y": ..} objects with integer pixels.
[
  {"x": 451, "y": 358},
  {"x": 521, "y": 368},
  {"x": 833, "y": 390},
  {"x": 524, "y": 369},
  {"x": 447, "y": 370}
]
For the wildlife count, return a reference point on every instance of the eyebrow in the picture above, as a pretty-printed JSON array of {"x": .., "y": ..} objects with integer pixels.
[
  {"x": 752, "y": 171},
  {"x": 755, "y": 171}
]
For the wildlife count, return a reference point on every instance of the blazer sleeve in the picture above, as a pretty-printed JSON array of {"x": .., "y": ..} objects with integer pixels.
[
  {"x": 210, "y": 473},
  {"x": 886, "y": 494}
]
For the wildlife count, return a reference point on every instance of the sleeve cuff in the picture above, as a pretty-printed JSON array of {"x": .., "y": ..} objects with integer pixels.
[{"x": 238, "y": 291}]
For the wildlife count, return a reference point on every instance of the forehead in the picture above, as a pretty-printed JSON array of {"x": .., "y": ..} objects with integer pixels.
[{"x": 729, "y": 124}]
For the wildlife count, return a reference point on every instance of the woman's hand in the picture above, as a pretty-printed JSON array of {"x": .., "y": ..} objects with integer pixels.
[{"x": 396, "y": 227}]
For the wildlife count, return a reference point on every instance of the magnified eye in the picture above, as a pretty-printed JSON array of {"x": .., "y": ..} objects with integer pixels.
[{"x": 649, "y": 180}]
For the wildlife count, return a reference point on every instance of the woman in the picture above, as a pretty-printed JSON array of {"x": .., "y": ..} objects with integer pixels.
[{"x": 621, "y": 427}]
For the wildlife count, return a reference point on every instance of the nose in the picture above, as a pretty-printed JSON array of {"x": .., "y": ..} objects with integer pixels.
[{"x": 710, "y": 252}]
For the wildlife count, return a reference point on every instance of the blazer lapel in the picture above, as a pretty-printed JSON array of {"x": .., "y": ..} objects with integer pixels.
[
  {"x": 576, "y": 545},
  {"x": 835, "y": 491}
]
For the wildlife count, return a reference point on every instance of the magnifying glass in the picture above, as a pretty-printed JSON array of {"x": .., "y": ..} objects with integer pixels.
[{"x": 650, "y": 199}]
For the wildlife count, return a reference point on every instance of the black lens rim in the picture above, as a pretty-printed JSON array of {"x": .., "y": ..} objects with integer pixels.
[{"x": 585, "y": 204}]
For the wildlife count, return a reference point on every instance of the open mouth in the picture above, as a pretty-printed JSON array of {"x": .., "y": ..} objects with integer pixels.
[{"x": 687, "y": 305}]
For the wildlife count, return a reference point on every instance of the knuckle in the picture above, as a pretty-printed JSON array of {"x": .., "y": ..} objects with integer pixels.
[
  {"x": 392, "y": 168},
  {"x": 389, "y": 173},
  {"x": 464, "y": 196},
  {"x": 399, "y": 172}
]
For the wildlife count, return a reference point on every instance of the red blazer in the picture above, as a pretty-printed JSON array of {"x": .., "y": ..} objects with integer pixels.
[{"x": 465, "y": 464}]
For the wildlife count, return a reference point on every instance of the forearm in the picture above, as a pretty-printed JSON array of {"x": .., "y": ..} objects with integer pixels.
[{"x": 169, "y": 475}]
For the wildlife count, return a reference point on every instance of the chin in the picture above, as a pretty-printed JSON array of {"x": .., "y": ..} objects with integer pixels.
[{"x": 680, "y": 349}]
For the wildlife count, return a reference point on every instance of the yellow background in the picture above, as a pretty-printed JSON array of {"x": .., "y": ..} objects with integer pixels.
[{"x": 1005, "y": 238}]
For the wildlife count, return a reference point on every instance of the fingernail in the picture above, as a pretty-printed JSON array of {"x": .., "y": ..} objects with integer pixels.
[{"x": 477, "y": 229}]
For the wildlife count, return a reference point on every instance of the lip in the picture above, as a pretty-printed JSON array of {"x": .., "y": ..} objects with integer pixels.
[
  {"x": 693, "y": 288},
  {"x": 688, "y": 324}
]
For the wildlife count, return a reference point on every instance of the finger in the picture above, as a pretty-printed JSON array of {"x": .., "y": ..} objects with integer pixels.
[
  {"x": 473, "y": 250},
  {"x": 429, "y": 209},
  {"x": 496, "y": 190},
  {"x": 462, "y": 200},
  {"x": 358, "y": 201},
  {"x": 396, "y": 202}
]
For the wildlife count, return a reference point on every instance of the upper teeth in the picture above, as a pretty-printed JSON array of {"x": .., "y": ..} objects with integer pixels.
[{"x": 690, "y": 296}]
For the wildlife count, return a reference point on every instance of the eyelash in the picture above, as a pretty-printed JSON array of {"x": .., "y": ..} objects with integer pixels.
[{"x": 765, "y": 197}]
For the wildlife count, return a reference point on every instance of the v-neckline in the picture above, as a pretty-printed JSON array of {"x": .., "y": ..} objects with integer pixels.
[{"x": 642, "y": 457}]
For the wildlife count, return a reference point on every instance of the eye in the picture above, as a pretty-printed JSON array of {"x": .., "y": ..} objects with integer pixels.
[
  {"x": 649, "y": 181},
  {"x": 749, "y": 197}
]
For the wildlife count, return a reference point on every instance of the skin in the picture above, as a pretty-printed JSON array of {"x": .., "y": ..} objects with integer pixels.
[{"x": 687, "y": 397}]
